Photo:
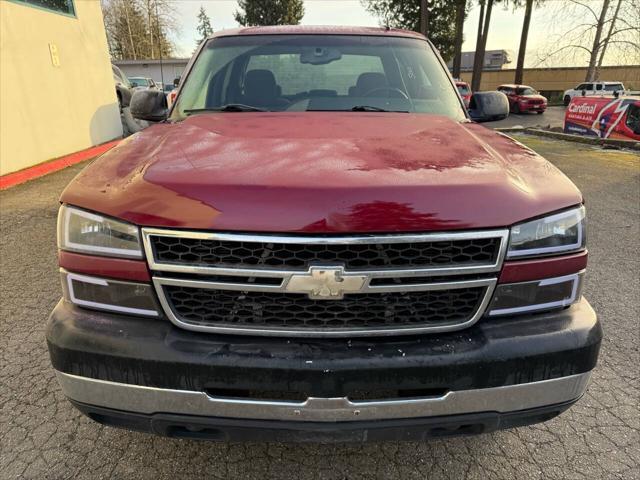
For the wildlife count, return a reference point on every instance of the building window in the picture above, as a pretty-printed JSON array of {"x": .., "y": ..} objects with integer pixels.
[{"x": 65, "y": 7}]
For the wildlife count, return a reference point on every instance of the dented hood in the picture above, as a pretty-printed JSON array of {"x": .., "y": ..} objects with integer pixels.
[{"x": 321, "y": 172}]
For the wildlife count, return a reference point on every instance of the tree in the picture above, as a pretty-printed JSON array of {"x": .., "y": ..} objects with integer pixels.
[
  {"x": 204, "y": 26},
  {"x": 481, "y": 43},
  {"x": 269, "y": 12},
  {"x": 438, "y": 20},
  {"x": 523, "y": 42},
  {"x": 607, "y": 39},
  {"x": 138, "y": 29},
  {"x": 593, "y": 54},
  {"x": 600, "y": 30},
  {"x": 461, "y": 14}
]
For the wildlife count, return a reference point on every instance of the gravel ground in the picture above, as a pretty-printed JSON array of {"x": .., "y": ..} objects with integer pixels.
[{"x": 44, "y": 437}]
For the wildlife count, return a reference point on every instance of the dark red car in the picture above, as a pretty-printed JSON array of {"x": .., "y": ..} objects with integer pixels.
[
  {"x": 465, "y": 92},
  {"x": 523, "y": 98},
  {"x": 316, "y": 243}
]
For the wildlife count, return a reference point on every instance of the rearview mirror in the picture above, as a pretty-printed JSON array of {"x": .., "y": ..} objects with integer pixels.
[
  {"x": 488, "y": 106},
  {"x": 150, "y": 105}
]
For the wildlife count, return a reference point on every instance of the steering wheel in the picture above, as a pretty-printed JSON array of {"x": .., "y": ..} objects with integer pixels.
[{"x": 371, "y": 93}]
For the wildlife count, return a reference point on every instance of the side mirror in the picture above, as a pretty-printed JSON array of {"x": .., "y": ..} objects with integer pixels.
[
  {"x": 150, "y": 105},
  {"x": 488, "y": 106},
  {"x": 584, "y": 93},
  {"x": 176, "y": 82}
]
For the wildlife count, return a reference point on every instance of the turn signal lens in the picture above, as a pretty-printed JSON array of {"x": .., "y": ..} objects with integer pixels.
[
  {"x": 110, "y": 295},
  {"x": 546, "y": 294}
]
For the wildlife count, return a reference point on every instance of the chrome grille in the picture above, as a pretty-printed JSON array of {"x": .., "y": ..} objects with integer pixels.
[
  {"x": 301, "y": 285},
  {"x": 243, "y": 254}
]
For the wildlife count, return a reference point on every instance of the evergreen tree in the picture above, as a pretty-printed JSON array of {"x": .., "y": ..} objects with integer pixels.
[
  {"x": 438, "y": 20},
  {"x": 204, "y": 26},
  {"x": 273, "y": 12}
]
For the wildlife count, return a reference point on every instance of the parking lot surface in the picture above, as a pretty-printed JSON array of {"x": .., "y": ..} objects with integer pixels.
[
  {"x": 44, "y": 437},
  {"x": 553, "y": 117}
]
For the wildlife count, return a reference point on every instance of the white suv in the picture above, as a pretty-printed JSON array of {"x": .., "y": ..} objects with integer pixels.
[{"x": 592, "y": 88}]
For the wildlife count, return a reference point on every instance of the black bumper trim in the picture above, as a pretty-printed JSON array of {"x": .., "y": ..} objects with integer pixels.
[{"x": 155, "y": 353}]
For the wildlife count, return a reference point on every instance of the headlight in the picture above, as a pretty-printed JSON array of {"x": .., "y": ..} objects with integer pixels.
[
  {"x": 559, "y": 233},
  {"x": 85, "y": 232}
]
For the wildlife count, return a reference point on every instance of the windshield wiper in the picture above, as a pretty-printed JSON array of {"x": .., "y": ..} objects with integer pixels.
[
  {"x": 229, "y": 107},
  {"x": 367, "y": 108}
]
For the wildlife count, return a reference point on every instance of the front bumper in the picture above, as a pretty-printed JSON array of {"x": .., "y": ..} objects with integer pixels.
[
  {"x": 532, "y": 108},
  {"x": 149, "y": 375}
]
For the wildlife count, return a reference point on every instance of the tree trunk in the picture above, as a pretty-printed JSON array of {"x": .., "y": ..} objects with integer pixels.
[
  {"x": 477, "y": 77},
  {"x": 423, "y": 17},
  {"x": 457, "y": 55},
  {"x": 523, "y": 42},
  {"x": 477, "y": 63},
  {"x": 591, "y": 71},
  {"x": 150, "y": 27},
  {"x": 605, "y": 44},
  {"x": 133, "y": 48}
]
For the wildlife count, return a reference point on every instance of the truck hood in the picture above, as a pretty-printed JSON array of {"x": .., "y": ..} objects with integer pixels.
[{"x": 321, "y": 172}]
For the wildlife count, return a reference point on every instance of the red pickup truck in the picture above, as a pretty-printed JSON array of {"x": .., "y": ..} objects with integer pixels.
[{"x": 316, "y": 243}]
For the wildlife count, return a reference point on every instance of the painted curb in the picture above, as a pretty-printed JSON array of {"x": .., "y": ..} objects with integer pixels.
[{"x": 31, "y": 173}]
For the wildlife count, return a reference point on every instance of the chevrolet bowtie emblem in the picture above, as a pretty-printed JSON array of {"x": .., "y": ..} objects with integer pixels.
[{"x": 326, "y": 283}]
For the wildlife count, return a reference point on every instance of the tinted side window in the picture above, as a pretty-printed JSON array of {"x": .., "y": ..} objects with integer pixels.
[
  {"x": 580, "y": 87},
  {"x": 633, "y": 118},
  {"x": 588, "y": 86}
]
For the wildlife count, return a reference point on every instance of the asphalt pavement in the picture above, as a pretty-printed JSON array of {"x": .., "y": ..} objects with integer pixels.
[
  {"x": 44, "y": 437},
  {"x": 552, "y": 117}
]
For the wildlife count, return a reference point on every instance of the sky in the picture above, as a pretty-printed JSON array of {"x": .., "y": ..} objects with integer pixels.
[{"x": 504, "y": 33}]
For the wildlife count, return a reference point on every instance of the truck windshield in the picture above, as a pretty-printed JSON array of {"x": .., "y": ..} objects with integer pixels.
[{"x": 252, "y": 73}]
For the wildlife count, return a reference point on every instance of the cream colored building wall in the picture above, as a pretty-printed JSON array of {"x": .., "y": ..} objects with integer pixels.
[
  {"x": 556, "y": 79},
  {"x": 48, "y": 111}
]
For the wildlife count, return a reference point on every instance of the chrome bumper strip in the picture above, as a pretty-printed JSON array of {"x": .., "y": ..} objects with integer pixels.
[{"x": 149, "y": 400}]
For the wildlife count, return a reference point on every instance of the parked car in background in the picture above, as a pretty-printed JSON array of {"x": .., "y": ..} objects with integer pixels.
[
  {"x": 319, "y": 245},
  {"x": 604, "y": 117},
  {"x": 465, "y": 92},
  {"x": 124, "y": 89},
  {"x": 592, "y": 88},
  {"x": 523, "y": 98},
  {"x": 144, "y": 83}
]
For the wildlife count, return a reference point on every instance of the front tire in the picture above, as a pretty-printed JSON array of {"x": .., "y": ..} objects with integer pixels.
[
  {"x": 540, "y": 113},
  {"x": 566, "y": 100}
]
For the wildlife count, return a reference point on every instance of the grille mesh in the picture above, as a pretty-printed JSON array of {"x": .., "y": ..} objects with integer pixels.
[
  {"x": 204, "y": 307},
  {"x": 189, "y": 251}
]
